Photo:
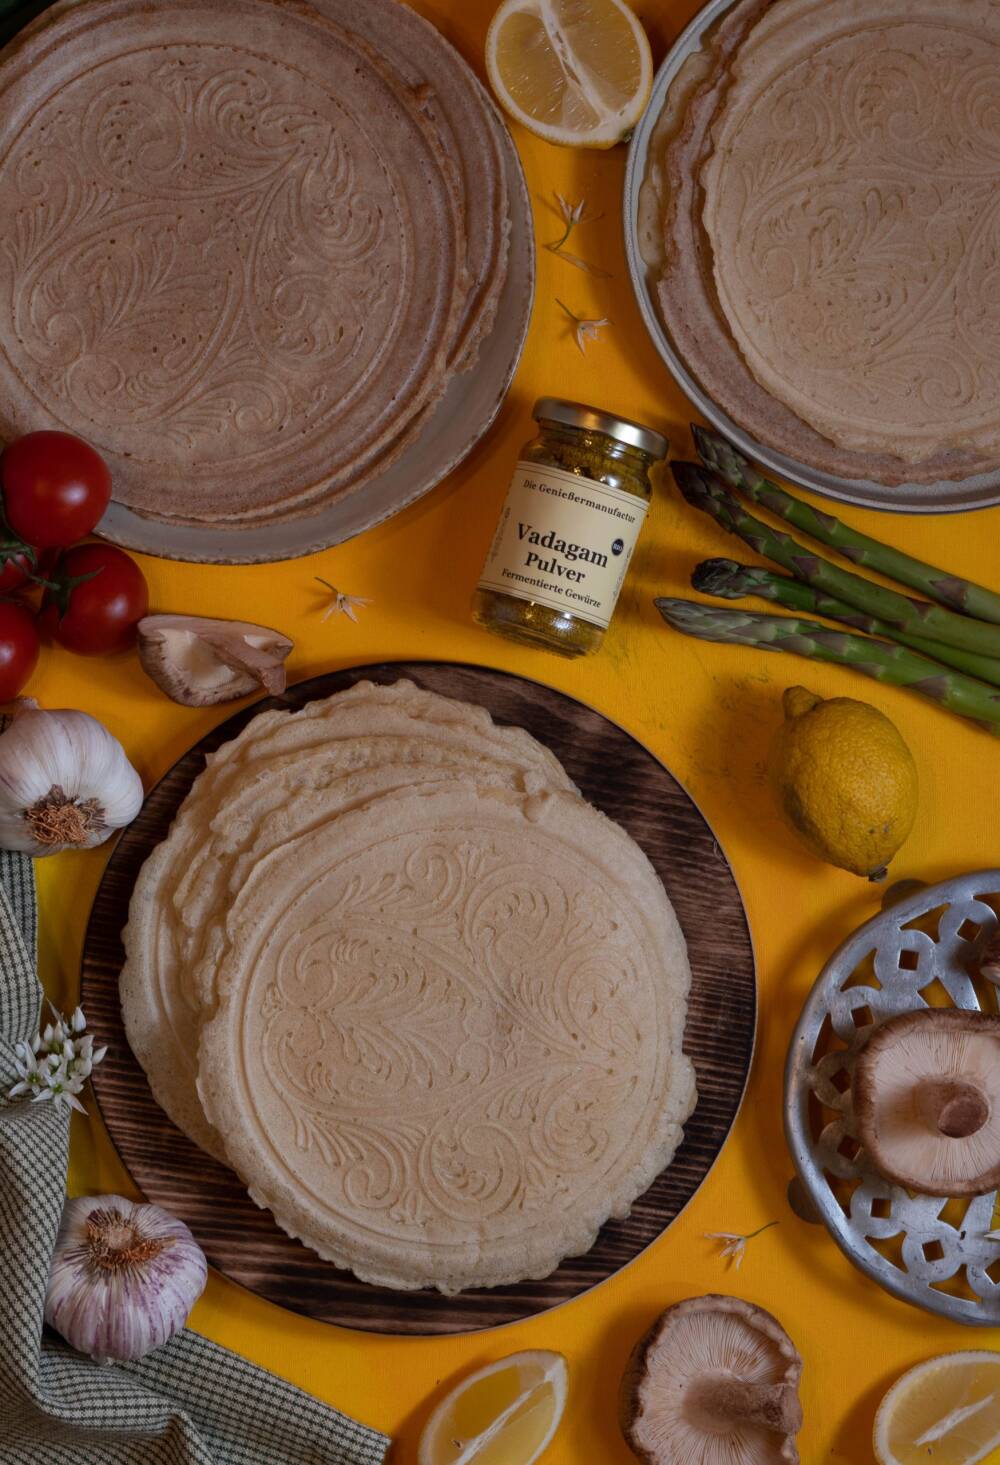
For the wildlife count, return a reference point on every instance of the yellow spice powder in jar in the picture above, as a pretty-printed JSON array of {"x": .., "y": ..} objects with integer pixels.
[{"x": 574, "y": 509}]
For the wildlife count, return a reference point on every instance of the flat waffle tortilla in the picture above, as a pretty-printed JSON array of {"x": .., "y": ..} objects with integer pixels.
[
  {"x": 694, "y": 319},
  {"x": 851, "y": 204},
  {"x": 447, "y": 1045},
  {"x": 471, "y": 133},
  {"x": 238, "y": 275},
  {"x": 284, "y": 773}
]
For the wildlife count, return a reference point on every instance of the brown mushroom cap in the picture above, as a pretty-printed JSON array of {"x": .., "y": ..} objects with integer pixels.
[
  {"x": 715, "y": 1380},
  {"x": 927, "y": 1101}
]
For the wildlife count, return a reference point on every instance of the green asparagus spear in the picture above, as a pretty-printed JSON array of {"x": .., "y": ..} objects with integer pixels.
[
  {"x": 731, "y": 580},
  {"x": 951, "y": 590},
  {"x": 883, "y": 660},
  {"x": 706, "y": 491}
]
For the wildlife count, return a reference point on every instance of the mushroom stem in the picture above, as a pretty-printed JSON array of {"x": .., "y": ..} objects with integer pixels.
[
  {"x": 774, "y": 1407},
  {"x": 953, "y": 1107}
]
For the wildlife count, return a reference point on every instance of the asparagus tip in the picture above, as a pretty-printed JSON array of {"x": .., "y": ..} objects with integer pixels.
[{"x": 720, "y": 577}]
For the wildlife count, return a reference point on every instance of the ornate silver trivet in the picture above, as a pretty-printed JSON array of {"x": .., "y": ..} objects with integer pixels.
[{"x": 926, "y": 1250}]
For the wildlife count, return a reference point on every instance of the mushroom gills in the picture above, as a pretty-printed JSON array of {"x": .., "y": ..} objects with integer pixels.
[
  {"x": 732, "y": 1402},
  {"x": 715, "y": 1381}
]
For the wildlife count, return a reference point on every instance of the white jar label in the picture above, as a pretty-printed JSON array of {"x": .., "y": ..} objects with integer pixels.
[{"x": 564, "y": 541}]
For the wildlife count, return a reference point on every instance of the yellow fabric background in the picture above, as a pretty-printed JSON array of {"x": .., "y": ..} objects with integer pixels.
[{"x": 708, "y": 712}]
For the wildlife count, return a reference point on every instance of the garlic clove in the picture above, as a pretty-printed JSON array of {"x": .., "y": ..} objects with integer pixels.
[
  {"x": 199, "y": 661},
  {"x": 124, "y": 1277}
]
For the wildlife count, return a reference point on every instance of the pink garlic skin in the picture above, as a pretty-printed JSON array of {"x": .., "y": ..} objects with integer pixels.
[{"x": 124, "y": 1277}]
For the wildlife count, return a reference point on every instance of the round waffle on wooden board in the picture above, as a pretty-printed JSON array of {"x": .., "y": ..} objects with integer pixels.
[{"x": 615, "y": 774}]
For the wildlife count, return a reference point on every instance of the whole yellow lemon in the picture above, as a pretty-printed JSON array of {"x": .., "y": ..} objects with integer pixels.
[{"x": 845, "y": 780}]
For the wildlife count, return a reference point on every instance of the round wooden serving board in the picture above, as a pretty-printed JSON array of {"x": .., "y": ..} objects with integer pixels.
[{"x": 618, "y": 775}]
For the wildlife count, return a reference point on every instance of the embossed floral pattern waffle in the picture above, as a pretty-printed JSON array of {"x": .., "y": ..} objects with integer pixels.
[
  {"x": 828, "y": 200},
  {"x": 238, "y": 258},
  {"x": 437, "y": 1000}
]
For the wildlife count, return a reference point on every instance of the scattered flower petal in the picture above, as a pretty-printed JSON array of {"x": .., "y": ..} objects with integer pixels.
[
  {"x": 581, "y": 264},
  {"x": 573, "y": 214},
  {"x": 584, "y": 330},
  {"x": 734, "y": 1245},
  {"x": 342, "y": 604}
]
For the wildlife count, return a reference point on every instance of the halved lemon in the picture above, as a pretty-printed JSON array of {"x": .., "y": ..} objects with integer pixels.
[
  {"x": 945, "y": 1411},
  {"x": 576, "y": 72},
  {"x": 505, "y": 1414}
]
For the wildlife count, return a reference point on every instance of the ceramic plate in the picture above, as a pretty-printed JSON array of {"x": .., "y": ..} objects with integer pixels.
[{"x": 924, "y": 498}]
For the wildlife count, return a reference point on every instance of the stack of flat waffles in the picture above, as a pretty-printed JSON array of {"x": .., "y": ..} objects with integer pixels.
[
  {"x": 420, "y": 995},
  {"x": 820, "y": 212},
  {"x": 246, "y": 243}
]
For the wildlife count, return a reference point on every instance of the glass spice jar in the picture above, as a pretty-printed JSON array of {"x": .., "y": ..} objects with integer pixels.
[{"x": 574, "y": 509}]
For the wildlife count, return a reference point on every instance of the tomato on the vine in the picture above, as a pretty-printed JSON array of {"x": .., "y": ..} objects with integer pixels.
[
  {"x": 55, "y": 488},
  {"x": 17, "y": 562},
  {"x": 19, "y": 643},
  {"x": 95, "y": 598}
]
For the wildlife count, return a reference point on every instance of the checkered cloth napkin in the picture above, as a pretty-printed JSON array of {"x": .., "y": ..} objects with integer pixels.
[{"x": 188, "y": 1403}]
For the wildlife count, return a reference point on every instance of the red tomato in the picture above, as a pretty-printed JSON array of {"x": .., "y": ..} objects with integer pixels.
[
  {"x": 18, "y": 648},
  {"x": 17, "y": 562},
  {"x": 96, "y": 597},
  {"x": 55, "y": 488}
]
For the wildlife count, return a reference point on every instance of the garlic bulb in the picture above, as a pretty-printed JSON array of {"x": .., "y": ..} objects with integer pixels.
[
  {"x": 124, "y": 1277},
  {"x": 65, "y": 782}
]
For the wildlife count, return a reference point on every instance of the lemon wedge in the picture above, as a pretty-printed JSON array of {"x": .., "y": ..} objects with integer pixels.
[
  {"x": 576, "y": 72},
  {"x": 505, "y": 1414},
  {"x": 946, "y": 1411}
]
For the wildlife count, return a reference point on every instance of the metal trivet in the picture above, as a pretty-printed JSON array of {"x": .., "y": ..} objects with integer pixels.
[{"x": 932, "y": 938}]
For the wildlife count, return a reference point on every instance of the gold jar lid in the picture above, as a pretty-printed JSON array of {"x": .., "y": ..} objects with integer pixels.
[{"x": 592, "y": 419}]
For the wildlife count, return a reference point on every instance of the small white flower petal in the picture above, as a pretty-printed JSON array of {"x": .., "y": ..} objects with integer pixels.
[
  {"x": 78, "y": 1022},
  {"x": 578, "y": 263}
]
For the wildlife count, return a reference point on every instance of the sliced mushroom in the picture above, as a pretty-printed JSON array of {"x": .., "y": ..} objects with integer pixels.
[
  {"x": 927, "y": 1101},
  {"x": 199, "y": 661},
  {"x": 715, "y": 1380}
]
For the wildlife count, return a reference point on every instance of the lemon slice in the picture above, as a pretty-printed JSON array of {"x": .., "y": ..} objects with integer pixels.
[
  {"x": 505, "y": 1414},
  {"x": 576, "y": 72},
  {"x": 946, "y": 1411}
]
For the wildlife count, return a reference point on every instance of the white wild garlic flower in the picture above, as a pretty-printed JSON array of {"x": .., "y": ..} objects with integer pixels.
[
  {"x": 584, "y": 330},
  {"x": 57, "y": 1063},
  {"x": 573, "y": 214},
  {"x": 342, "y": 604},
  {"x": 733, "y": 1244}
]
